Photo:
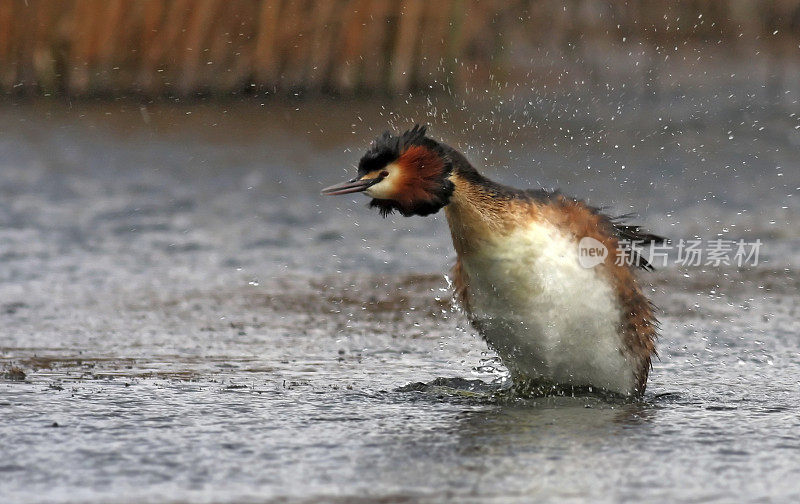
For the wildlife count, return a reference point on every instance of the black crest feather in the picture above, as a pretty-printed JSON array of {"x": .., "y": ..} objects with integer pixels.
[{"x": 388, "y": 147}]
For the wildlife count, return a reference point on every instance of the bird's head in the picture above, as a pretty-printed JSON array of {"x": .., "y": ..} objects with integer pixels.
[{"x": 408, "y": 173}]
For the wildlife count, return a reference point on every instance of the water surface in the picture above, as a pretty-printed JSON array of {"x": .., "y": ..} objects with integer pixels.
[{"x": 196, "y": 324}]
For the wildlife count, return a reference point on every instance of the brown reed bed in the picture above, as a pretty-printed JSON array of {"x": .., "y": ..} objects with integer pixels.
[
  {"x": 181, "y": 47},
  {"x": 184, "y": 47}
]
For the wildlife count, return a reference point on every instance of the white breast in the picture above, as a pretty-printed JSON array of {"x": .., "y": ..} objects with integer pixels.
[{"x": 546, "y": 316}]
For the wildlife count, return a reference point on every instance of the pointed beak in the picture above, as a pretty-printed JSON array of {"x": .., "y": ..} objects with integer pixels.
[{"x": 355, "y": 185}]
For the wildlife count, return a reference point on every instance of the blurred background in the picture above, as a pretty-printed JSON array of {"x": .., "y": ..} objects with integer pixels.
[
  {"x": 159, "y": 48},
  {"x": 206, "y": 326}
]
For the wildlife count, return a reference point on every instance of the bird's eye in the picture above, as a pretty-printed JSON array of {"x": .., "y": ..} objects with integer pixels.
[{"x": 383, "y": 174}]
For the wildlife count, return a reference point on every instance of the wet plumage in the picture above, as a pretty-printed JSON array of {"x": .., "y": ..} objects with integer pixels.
[{"x": 517, "y": 274}]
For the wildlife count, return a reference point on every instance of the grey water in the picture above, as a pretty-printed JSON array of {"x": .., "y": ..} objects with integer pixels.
[{"x": 196, "y": 324}]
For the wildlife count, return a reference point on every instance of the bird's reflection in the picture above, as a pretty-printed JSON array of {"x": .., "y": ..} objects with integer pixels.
[
  {"x": 512, "y": 423},
  {"x": 549, "y": 424}
]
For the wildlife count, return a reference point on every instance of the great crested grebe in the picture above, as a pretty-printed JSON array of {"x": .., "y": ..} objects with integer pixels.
[{"x": 519, "y": 274}]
